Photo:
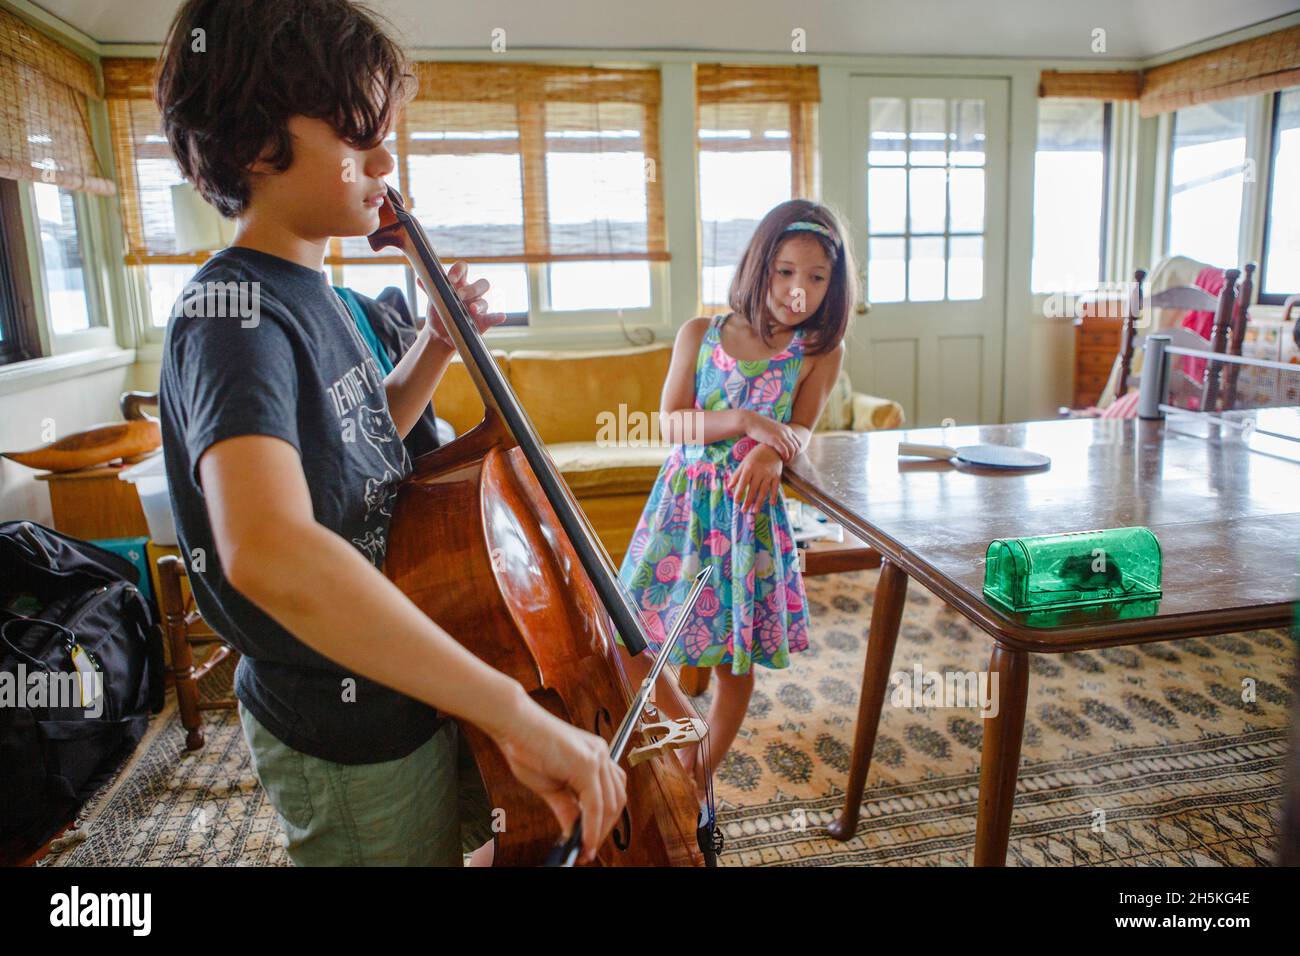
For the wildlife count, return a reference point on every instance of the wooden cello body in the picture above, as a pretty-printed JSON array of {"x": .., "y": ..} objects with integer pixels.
[{"x": 477, "y": 544}]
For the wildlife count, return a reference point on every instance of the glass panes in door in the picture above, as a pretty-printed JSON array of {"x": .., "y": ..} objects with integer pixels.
[{"x": 925, "y": 199}]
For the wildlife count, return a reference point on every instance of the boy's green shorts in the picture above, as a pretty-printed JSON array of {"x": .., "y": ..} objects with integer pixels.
[{"x": 425, "y": 809}]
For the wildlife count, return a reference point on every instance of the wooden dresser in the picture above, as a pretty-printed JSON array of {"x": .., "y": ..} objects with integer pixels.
[{"x": 1096, "y": 344}]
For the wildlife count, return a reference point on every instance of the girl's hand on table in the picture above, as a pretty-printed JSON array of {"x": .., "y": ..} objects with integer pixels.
[
  {"x": 757, "y": 482},
  {"x": 768, "y": 431}
]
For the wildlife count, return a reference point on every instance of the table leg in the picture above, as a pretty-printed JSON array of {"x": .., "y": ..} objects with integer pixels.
[
  {"x": 1000, "y": 760},
  {"x": 886, "y": 614}
]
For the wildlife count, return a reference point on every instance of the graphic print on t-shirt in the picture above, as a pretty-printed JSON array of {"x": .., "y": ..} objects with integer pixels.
[
  {"x": 380, "y": 432},
  {"x": 359, "y": 402}
]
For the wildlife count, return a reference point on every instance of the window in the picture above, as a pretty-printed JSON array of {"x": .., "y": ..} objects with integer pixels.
[
  {"x": 756, "y": 141},
  {"x": 509, "y": 293},
  {"x": 464, "y": 185},
  {"x": 466, "y": 166},
  {"x": 543, "y": 179},
  {"x": 1280, "y": 271},
  {"x": 166, "y": 284},
  {"x": 925, "y": 200},
  {"x": 1070, "y": 176},
  {"x": 19, "y": 341},
  {"x": 1206, "y": 182},
  {"x": 66, "y": 298},
  {"x": 744, "y": 172},
  {"x": 596, "y": 172}
]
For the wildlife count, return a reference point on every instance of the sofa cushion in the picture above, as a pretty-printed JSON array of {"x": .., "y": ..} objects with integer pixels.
[
  {"x": 876, "y": 414},
  {"x": 590, "y": 468},
  {"x": 569, "y": 394}
]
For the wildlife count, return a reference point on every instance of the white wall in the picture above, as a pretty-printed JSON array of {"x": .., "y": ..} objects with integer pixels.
[{"x": 69, "y": 405}]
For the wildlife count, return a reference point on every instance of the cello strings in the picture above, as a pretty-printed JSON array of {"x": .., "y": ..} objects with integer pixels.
[{"x": 671, "y": 673}]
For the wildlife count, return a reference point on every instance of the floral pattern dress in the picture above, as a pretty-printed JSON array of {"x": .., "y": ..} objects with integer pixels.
[{"x": 753, "y": 610}]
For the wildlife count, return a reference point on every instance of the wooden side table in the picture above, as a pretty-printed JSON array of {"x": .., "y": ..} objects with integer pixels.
[{"x": 94, "y": 504}]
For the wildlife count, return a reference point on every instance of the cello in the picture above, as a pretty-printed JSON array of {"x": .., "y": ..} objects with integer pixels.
[{"x": 487, "y": 540}]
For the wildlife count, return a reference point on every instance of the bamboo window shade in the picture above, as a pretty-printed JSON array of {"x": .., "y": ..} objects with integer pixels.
[
  {"x": 1263, "y": 64},
  {"x": 1092, "y": 85},
  {"x": 763, "y": 100},
  {"x": 145, "y": 168},
  {"x": 487, "y": 157},
  {"x": 45, "y": 91},
  {"x": 751, "y": 109}
]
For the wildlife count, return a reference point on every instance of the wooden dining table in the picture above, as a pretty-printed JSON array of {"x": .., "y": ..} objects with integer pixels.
[{"x": 1223, "y": 500}]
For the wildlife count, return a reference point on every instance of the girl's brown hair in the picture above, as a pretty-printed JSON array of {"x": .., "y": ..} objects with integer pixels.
[
  {"x": 825, "y": 328},
  {"x": 233, "y": 72}
]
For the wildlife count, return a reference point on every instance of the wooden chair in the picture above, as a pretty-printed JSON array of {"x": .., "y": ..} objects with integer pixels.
[
  {"x": 1291, "y": 302},
  {"x": 1129, "y": 333},
  {"x": 184, "y": 628},
  {"x": 1235, "y": 335},
  {"x": 1217, "y": 390}
]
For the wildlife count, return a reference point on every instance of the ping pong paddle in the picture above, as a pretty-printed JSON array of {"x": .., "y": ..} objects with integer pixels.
[{"x": 988, "y": 456}]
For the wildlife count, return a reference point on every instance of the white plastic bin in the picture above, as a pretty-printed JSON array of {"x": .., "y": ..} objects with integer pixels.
[{"x": 150, "y": 480}]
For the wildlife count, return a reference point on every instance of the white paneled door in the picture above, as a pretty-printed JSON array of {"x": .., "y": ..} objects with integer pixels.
[{"x": 929, "y": 214}]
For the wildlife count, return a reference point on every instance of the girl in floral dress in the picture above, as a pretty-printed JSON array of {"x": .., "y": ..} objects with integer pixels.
[{"x": 741, "y": 397}]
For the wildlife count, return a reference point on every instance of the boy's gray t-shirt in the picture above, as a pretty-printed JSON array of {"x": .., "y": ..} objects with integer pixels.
[{"x": 258, "y": 345}]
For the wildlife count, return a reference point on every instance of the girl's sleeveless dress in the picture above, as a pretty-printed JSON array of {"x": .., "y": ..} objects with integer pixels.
[{"x": 753, "y": 611}]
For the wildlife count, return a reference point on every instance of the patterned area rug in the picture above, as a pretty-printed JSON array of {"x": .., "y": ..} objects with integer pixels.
[{"x": 1132, "y": 756}]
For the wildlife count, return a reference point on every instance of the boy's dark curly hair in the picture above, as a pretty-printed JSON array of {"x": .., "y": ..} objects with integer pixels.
[{"x": 233, "y": 72}]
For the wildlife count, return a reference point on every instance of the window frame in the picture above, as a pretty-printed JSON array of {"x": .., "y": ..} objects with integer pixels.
[
  {"x": 1274, "y": 106},
  {"x": 1107, "y": 144}
]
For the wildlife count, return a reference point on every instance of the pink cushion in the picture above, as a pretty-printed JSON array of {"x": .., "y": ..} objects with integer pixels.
[{"x": 1123, "y": 407}]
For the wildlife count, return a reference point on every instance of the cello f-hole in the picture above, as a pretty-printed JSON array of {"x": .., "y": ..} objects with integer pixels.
[{"x": 621, "y": 835}]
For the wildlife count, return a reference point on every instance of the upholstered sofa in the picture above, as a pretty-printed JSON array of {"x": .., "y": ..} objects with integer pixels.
[{"x": 578, "y": 400}]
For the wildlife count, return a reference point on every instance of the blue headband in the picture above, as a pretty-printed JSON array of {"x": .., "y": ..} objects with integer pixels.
[{"x": 805, "y": 226}]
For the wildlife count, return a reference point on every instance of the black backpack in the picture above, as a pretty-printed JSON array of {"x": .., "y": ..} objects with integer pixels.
[{"x": 67, "y": 607}]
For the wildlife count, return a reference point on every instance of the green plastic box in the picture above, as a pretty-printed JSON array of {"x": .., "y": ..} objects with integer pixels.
[{"x": 1079, "y": 569}]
